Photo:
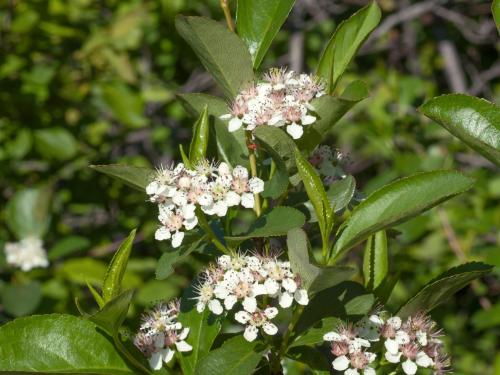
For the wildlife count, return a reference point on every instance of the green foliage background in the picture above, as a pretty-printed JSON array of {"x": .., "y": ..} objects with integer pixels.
[{"x": 87, "y": 82}]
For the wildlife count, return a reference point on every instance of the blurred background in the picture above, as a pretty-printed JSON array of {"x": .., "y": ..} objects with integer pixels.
[{"x": 94, "y": 82}]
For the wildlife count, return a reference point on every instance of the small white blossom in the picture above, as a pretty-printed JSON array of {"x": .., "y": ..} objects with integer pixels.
[
  {"x": 26, "y": 254},
  {"x": 259, "y": 319}
]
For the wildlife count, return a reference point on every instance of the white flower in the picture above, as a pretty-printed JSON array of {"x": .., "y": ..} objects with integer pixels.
[
  {"x": 258, "y": 319},
  {"x": 295, "y": 130},
  {"x": 409, "y": 367},
  {"x": 340, "y": 363},
  {"x": 26, "y": 254}
]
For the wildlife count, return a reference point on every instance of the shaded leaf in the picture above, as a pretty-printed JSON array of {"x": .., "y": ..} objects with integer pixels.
[
  {"x": 474, "y": 121},
  {"x": 68, "y": 246},
  {"x": 314, "y": 335},
  {"x": 136, "y": 177},
  {"x": 341, "y": 192},
  {"x": 113, "y": 313},
  {"x": 272, "y": 224},
  {"x": 170, "y": 259},
  {"x": 272, "y": 138},
  {"x": 55, "y": 143},
  {"x": 21, "y": 299},
  {"x": 126, "y": 105},
  {"x": 235, "y": 356},
  {"x": 58, "y": 343},
  {"x": 312, "y": 357},
  {"x": 258, "y": 22},
  {"x": 221, "y": 52},
  {"x": 313, "y": 277},
  {"x": 444, "y": 286},
  {"x": 399, "y": 201},
  {"x": 345, "y": 42}
]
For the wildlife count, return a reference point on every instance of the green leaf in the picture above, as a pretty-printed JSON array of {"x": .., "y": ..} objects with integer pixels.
[
  {"x": 329, "y": 110},
  {"x": 272, "y": 138},
  {"x": 21, "y": 299},
  {"x": 231, "y": 147},
  {"x": 375, "y": 261},
  {"x": 258, "y": 22},
  {"x": 55, "y": 143},
  {"x": 112, "y": 283},
  {"x": 170, "y": 259},
  {"x": 185, "y": 158},
  {"x": 317, "y": 195},
  {"x": 444, "y": 286},
  {"x": 97, "y": 297},
  {"x": 58, "y": 343},
  {"x": 136, "y": 177},
  {"x": 314, "y": 278},
  {"x": 495, "y": 10},
  {"x": 113, "y": 313},
  {"x": 345, "y": 42},
  {"x": 221, "y": 52},
  {"x": 269, "y": 139},
  {"x": 347, "y": 301},
  {"x": 341, "y": 192},
  {"x": 272, "y": 224},
  {"x": 204, "y": 328},
  {"x": 314, "y": 335},
  {"x": 235, "y": 356},
  {"x": 475, "y": 121},
  {"x": 68, "y": 246},
  {"x": 199, "y": 140},
  {"x": 27, "y": 212},
  {"x": 399, "y": 201},
  {"x": 312, "y": 357},
  {"x": 126, "y": 105}
]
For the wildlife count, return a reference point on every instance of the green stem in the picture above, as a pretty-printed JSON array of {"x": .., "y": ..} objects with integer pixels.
[
  {"x": 202, "y": 220},
  {"x": 291, "y": 327},
  {"x": 227, "y": 13},
  {"x": 253, "y": 170}
]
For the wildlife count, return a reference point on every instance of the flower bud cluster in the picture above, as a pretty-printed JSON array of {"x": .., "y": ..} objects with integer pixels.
[
  {"x": 281, "y": 99},
  {"x": 26, "y": 254},
  {"x": 161, "y": 335},
  {"x": 243, "y": 281},
  {"x": 214, "y": 189},
  {"x": 414, "y": 343}
]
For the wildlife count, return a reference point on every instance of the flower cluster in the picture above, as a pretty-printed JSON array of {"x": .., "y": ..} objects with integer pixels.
[
  {"x": 26, "y": 254},
  {"x": 413, "y": 343},
  {"x": 281, "y": 99},
  {"x": 329, "y": 163},
  {"x": 161, "y": 335},
  {"x": 241, "y": 279},
  {"x": 214, "y": 188}
]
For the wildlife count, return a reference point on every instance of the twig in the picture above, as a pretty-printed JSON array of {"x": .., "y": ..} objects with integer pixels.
[
  {"x": 296, "y": 51},
  {"x": 227, "y": 13},
  {"x": 452, "y": 66}
]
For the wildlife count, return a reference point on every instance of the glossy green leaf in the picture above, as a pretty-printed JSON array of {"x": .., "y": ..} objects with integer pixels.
[
  {"x": 258, "y": 22},
  {"x": 136, "y": 177},
  {"x": 474, "y": 121},
  {"x": 231, "y": 147},
  {"x": 314, "y": 335},
  {"x": 27, "y": 212},
  {"x": 444, "y": 286},
  {"x": 314, "y": 278},
  {"x": 495, "y": 10},
  {"x": 204, "y": 328},
  {"x": 329, "y": 110},
  {"x": 199, "y": 142},
  {"x": 113, "y": 313},
  {"x": 375, "y": 260},
  {"x": 221, "y": 52},
  {"x": 399, "y": 201},
  {"x": 235, "y": 356},
  {"x": 272, "y": 224},
  {"x": 345, "y": 42},
  {"x": 55, "y": 143},
  {"x": 112, "y": 283},
  {"x": 341, "y": 192},
  {"x": 316, "y": 193},
  {"x": 58, "y": 343},
  {"x": 21, "y": 299}
]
